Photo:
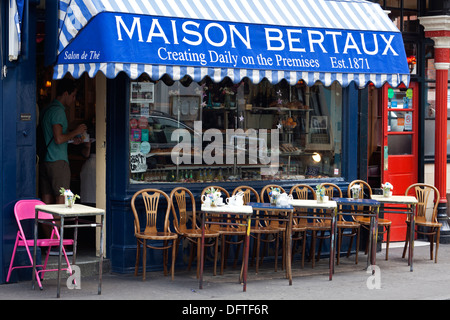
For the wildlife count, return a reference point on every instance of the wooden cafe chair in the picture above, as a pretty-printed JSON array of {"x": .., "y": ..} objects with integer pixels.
[
  {"x": 428, "y": 222},
  {"x": 321, "y": 228},
  {"x": 267, "y": 226},
  {"x": 300, "y": 225},
  {"x": 385, "y": 224},
  {"x": 148, "y": 231},
  {"x": 185, "y": 225}
]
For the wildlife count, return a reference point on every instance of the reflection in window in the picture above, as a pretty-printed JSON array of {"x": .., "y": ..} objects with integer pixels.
[{"x": 184, "y": 131}]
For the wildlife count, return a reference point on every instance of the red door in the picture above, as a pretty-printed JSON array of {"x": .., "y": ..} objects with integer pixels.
[{"x": 400, "y": 143}]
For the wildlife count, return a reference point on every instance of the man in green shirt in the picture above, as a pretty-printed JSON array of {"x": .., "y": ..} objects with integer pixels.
[{"x": 55, "y": 170}]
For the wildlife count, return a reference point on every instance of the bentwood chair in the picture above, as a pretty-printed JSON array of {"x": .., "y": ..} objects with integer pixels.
[
  {"x": 145, "y": 205},
  {"x": 24, "y": 210},
  {"x": 250, "y": 195},
  {"x": 427, "y": 222},
  {"x": 185, "y": 225},
  {"x": 226, "y": 232},
  {"x": 258, "y": 228},
  {"x": 268, "y": 226},
  {"x": 385, "y": 224},
  {"x": 321, "y": 228},
  {"x": 299, "y": 227}
]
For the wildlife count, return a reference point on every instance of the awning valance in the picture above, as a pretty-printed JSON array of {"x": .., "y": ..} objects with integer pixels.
[{"x": 309, "y": 40}]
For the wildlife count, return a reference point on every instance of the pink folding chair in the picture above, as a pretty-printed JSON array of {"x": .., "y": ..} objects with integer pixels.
[{"x": 23, "y": 210}]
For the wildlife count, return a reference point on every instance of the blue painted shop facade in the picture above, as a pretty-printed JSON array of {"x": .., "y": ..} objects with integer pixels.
[{"x": 76, "y": 35}]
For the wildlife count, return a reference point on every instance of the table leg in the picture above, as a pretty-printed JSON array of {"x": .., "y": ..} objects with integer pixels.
[
  {"x": 332, "y": 243},
  {"x": 75, "y": 241},
  {"x": 375, "y": 237},
  {"x": 100, "y": 266},
  {"x": 411, "y": 240},
  {"x": 202, "y": 252},
  {"x": 33, "y": 276},
  {"x": 61, "y": 237},
  {"x": 246, "y": 250},
  {"x": 289, "y": 248}
]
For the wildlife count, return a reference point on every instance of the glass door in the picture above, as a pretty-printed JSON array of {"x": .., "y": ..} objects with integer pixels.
[{"x": 400, "y": 146}]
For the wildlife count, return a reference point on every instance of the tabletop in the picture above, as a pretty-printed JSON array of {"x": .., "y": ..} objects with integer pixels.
[
  {"x": 358, "y": 202},
  {"x": 75, "y": 211},
  {"x": 247, "y": 210},
  {"x": 268, "y": 206},
  {"x": 395, "y": 199},
  {"x": 313, "y": 204}
]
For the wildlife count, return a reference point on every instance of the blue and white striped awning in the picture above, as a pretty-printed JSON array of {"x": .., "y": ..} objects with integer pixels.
[{"x": 309, "y": 40}]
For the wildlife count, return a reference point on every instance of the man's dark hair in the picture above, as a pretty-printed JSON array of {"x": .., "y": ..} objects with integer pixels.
[{"x": 64, "y": 85}]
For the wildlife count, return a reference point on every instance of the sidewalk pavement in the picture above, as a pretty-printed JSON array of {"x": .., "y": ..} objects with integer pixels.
[{"x": 393, "y": 281}]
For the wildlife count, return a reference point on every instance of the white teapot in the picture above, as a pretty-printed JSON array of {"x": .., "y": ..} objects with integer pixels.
[
  {"x": 211, "y": 199},
  {"x": 236, "y": 200},
  {"x": 284, "y": 199}
]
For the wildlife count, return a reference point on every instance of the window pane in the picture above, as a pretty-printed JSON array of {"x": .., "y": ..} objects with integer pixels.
[
  {"x": 410, "y": 4},
  {"x": 204, "y": 132},
  {"x": 410, "y": 21},
  {"x": 399, "y": 144},
  {"x": 393, "y": 3}
]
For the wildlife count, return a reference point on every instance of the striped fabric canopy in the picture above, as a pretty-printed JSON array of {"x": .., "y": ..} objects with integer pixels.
[{"x": 317, "y": 19}]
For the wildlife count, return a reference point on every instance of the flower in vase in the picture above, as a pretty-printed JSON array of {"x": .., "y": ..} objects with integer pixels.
[
  {"x": 274, "y": 191},
  {"x": 387, "y": 186}
]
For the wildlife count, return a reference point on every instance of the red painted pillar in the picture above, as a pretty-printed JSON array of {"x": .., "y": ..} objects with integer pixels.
[
  {"x": 438, "y": 29},
  {"x": 442, "y": 63}
]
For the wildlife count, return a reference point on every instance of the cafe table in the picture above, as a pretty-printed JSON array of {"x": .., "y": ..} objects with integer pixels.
[
  {"x": 326, "y": 206},
  {"x": 283, "y": 214},
  {"x": 401, "y": 205},
  {"x": 65, "y": 214},
  {"x": 219, "y": 215},
  {"x": 366, "y": 208}
]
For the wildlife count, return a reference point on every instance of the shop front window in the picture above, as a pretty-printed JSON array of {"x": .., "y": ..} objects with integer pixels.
[{"x": 184, "y": 131}]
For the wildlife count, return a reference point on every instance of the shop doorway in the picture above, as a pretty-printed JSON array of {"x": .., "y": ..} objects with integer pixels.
[
  {"x": 81, "y": 157},
  {"x": 393, "y": 144},
  {"x": 400, "y": 145}
]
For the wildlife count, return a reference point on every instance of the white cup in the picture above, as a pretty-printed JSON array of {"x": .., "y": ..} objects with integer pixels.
[
  {"x": 231, "y": 200},
  {"x": 219, "y": 201}
]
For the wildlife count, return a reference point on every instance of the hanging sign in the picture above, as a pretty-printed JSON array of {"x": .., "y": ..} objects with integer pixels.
[{"x": 155, "y": 40}]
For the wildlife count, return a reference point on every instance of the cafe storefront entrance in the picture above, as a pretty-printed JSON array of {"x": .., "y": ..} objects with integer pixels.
[{"x": 256, "y": 93}]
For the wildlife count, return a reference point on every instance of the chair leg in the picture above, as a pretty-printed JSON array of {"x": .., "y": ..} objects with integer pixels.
[
  {"x": 144, "y": 259},
  {"x": 320, "y": 245},
  {"x": 216, "y": 253},
  {"x": 191, "y": 255},
  {"x": 406, "y": 242},
  {"x": 339, "y": 243},
  {"x": 303, "y": 249},
  {"x": 199, "y": 246},
  {"x": 165, "y": 258},
  {"x": 313, "y": 249},
  {"x": 174, "y": 256},
  {"x": 350, "y": 245},
  {"x": 236, "y": 253},
  {"x": 12, "y": 260},
  {"x": 276, "y": 251},
  {"x": 358, "y": 232},
  {"x": 438, "y": 234},
  {"x": 388, "y": 238},
  {"x": 264, "y": 249},
  {"x": 136, "y": 267},
  {"x": 431, "y": 239},
  {"x": 222, "y": 251},
  {"x": 258, "y": 248}
]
